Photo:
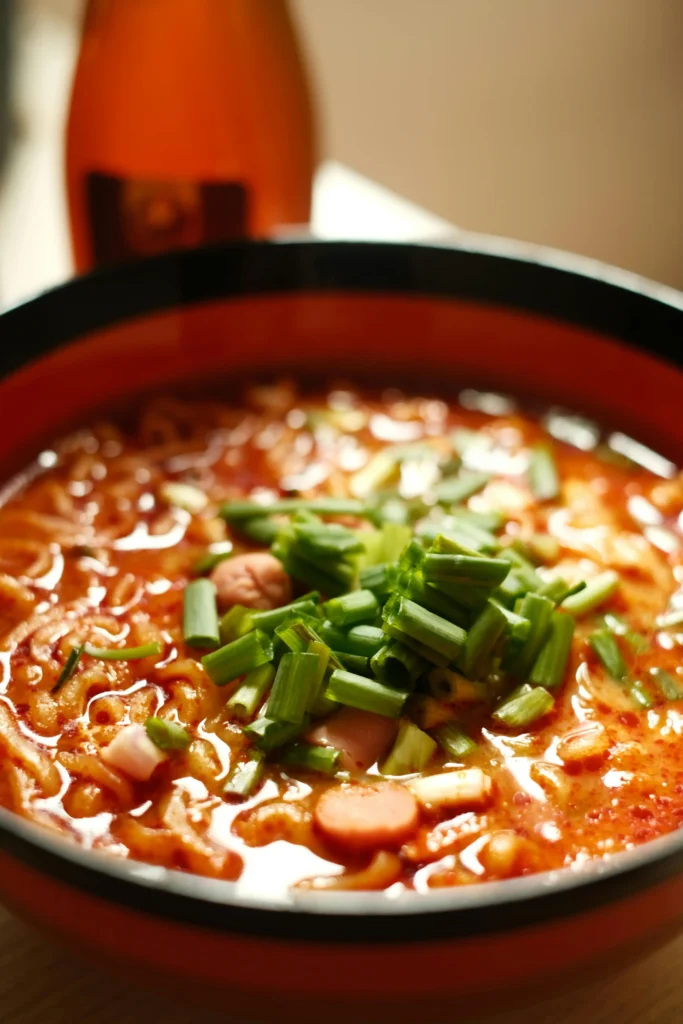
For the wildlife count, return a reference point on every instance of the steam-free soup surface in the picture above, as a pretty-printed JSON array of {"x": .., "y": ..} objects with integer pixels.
[{"x": 482, "y": 679}]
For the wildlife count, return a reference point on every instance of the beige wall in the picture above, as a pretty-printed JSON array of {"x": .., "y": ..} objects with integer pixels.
[{"x": 558, "y": 121}]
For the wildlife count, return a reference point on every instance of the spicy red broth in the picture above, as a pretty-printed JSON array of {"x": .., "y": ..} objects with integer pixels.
[{"x": 478, "y": 676}]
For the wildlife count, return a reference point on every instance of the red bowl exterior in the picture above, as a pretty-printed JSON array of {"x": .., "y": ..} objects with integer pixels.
[{"x": 168, "y": 325}]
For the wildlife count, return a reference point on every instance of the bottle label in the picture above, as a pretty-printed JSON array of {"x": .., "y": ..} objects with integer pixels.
[{"x": 130, "y": 218}]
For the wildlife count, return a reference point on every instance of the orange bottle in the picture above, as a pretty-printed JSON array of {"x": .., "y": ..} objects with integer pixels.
[{"x": 190, "y": 122}]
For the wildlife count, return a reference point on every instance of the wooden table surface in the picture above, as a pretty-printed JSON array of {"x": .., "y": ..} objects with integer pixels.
[{"x": 41, "y": 983}]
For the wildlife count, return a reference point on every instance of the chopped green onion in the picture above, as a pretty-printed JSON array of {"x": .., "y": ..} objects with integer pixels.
[
  {"x": 70, "y": 666},
  {"x": 363, "y": 640},
  {"x": 543, "y": 476},
  {"x": 450, "y": 686},
  {"x": 523, "y": 568},
  {"x": 456, "y": 490},
  {"x": 239, "y": 511},
  {"x": 330, "y": 577},
  {"x": 492, "y": 521},
  {"x": 232, "y": 625},
  {"x": 326, "y": 541},
  {"x": 465, "y": 569},
  {"x": 246, "y": 776},
  {"x": 365, "y": 694},
  {"x": 357, "y": 606},
  {"x": 380, "y": 579},
  {"x": 411, "y": 751},
  {"x": 619, "y": 627},
  {"x": 295, "y": 682},
  {"x": 558, "y": 590},
  {"x": 538, "y": 610},
  {"x": 395, "y": 537},
  {"x": 525, "y": 705},
  {"x": 260, "y": 529},
  {"x": 397, "y": 665},
  {"x": 212, "y": 557},
  {"x": 123, "y": 653},
  {"x": 250, "y": 694},
  {"x": 425, "y": 652},
  {"x": 607, "y": 649},
  {"x": 512, "y": 589},
  {"x": 268, "y": 735},
  {"x": 551, "y": 663},
  {"x": 456, "y": 743},
  {"x": 315, "y": 759},
  {"x": 414, "y": 586},
  {"x": 597, "y": 590},
  {"x": 354, "y": 662},
  {"x": 482, "y": 637},
  {"x": 316, "y": 702},
  {"x": 185, "y": 496},
  {"x": 167, "y": 735},
  {"x": 200, "y": 618},
  {"x": 431, "y": 630},
  {"x": 268, "y": 621},
  {"x": 669, "y": 687},
  {"x": 517, "y": 631},
  {"x": 641, "y": 695},
  {"x": 238, "y": 658}
]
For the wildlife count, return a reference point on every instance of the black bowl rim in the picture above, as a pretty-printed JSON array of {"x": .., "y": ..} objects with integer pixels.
[{"x": 490, "y": 271}]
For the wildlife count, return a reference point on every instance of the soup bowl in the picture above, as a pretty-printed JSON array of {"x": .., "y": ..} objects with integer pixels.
[{"x": 550, "y": 328}]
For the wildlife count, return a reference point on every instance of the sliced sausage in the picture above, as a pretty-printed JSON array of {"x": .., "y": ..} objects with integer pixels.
[
  {"x": 256, "y": 580},
  {"x": 362, "y": 737},
  {"x": 367, "y": 817}
]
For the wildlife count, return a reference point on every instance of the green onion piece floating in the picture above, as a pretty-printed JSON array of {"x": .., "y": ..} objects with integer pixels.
[
  {"x": 604, "y": 644},
  {"x": 70, "y": 666},
  {"x": 245, "y": 778},
  {"x": 365, "y": 694},
  {"x": 543, "y": 476},
  {"x": 551, "y": 663},
  {"x": 456, "y": 490},
  {"x": 482, "y": 637},
  {"x": 268, "y": 621},
  {"x": 597, "y": 590},
  {"x": 668, "y": 685},
  {"x": 250, "y": 694},
  {"x": 455, "y": 742},
  {"x": 200, "y": 618},
  {"x": 430, "y": 630},
  {"x": 167, "y": 735},
  {"x": 123, "y": 653},
  {"x": 349, "y": 609},
  {"x": 239, "y": 511},
  {"x": 238, "y": 658},
  {"x": 313, "y": 758},
  {"x": 524, "y": 706},
  {"x": 641, "y": 694},
  {"x": 295, "y": 683},
  {"x": 411, "y": 751},
  {"x": 269, "y": 735},
  {"x": 636, "y": 641}
]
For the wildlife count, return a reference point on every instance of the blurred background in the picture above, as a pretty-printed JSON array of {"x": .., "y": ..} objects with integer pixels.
[{"x": 554, "y": 122}]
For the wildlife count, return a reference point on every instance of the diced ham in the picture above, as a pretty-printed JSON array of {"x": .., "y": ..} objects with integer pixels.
[
  {"x": 362, "y": 737},
  {"x": 133, "y": 753},
  {"x": 365, "y": 817},
  {"x": 255, "y": 580}
]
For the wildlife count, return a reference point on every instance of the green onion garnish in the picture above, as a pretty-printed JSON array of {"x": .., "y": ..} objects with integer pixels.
[
  {"x": 410, "y": 753},
  {"x": 641, "y": 694},
  {"x": 295, "y": 682},
  {"x": 233, "y": 624},
  {"x": 558, "y": 590},
  {"x": 378, "y": 578},
  {"x": 538, "y": 610},
  {"x": 525, "y": 705},
  {"x": 215, "y": 554},
  {"x": 430, "y": 630},
  {"x": 70, "y": 666},
  {"x": 239, "y": 511},
  {"x": 465, "y": 569},
  {"x": 543, "y": 476},
  {"x": 363, "y": 640},
  {"x": 268, "y": 621},
  {"x": 456, "y": 490},
  {"x": 482, "y": 637},
  {"x": 123, "y": 653},
  {"x": 246, "y": 776},
  {"x": 268, "y": 735},
  {"x": 414, "y": 586},
  {"x": 238, "y": 658},
  {"x": 620, "y": 627},
  {"x": 357, "y": 663},
  {"x": 668, "y": 685},
  {"x": 260, "y": 529},
  {"x": 200, "y": 618},
  {"x": 597, "y": 590},
  {"x": 604, "y": 644},
  {"x": 167, "y": 735},
  {"x": 551, "y": 663},
  {"x": 398, "y": 665},
  {"x": 454, "y": 741},
  {"x": 357, "y": 606},
  {"x": 365, "y": 694},
  {"x": 313, "y": 758},
  {"x": 250, "y": 694}
]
